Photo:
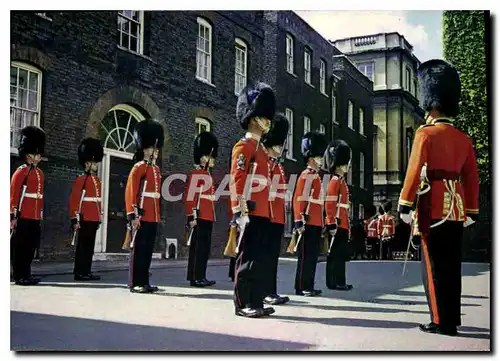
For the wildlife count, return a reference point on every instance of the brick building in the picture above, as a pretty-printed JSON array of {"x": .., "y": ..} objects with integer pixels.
[
  {"x": 317, "y": 90},
  {"x": 79, "y": 74}
]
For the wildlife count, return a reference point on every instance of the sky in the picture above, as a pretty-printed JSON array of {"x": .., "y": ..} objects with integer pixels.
[{"x": 421, "y": 28}]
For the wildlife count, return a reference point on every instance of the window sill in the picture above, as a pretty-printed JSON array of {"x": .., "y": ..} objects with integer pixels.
[
  {"x": 312, "y": 86},
  {"x": 334, "y": 122},
  {"x": 43, "y": 17},
  {"x": 326, "y": 95},
  {"x": 363, "y": 135},
  {"x": 204, "y": 81},
  {"x": 134, "y": 53},
  {"x": 292, "y": 74},
  {"x": 292, "y": 159}
]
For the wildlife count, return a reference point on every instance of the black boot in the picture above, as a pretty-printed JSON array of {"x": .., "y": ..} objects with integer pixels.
[{"x": 433, "y": 328}]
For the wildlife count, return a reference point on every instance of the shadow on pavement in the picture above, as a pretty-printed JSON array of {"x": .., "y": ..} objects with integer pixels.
[
  {"x": 367, "y": 309},
  {"x": 417, "y": 293},
  {"x": 29, "y": 332}
]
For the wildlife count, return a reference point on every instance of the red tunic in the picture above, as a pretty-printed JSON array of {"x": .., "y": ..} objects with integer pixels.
[
  {"x": 92, "y": 203},
  {"x": 337, "y": 203},
  {"x": 32, "y": 205},
  {"x": 277, "y": 193},
  {"x": 151, "y": 206},
  {"x": 309, "y": 180},
  {"x": 206, "y": 209}
]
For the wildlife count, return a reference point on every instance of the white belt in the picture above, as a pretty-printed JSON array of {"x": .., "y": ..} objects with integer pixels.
[
  {"x": 343, "y": 205},
  {"x": 316, "y": 201},
  {"x": 33, "y": 195},
  {"x": 210, "y": 197},
  {"x": 386, "y": 226},
  {"x": 151, "y": 194},
  {"x": 277, "y": 195},
  {"x": 91, "y": 199}
]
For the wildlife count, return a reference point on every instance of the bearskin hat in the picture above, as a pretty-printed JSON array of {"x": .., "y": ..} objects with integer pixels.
[
  {"x": 387, "y": 206},
  {"x": 148, "y": 133},
  {"x": 90, "y": 150},
  {"x": 439, "y": 87},
  {"x": 32, "y": 141},
  {"x": 370, "y": 211},
  {"x": 278, "y": 132},
  {"x": 255, "y": 100},
  {"x": 313, "y": 145},
  {"x": 205, "y": 144},
  {"x": 336, "y": 154}
]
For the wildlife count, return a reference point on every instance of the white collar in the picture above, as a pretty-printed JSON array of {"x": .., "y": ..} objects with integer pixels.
[{"x": 252, "y": 136}]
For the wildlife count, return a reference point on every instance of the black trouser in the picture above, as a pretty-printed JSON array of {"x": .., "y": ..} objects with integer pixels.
[
  {"x": 141, "y": 254},
  {"x": 308, "y": 252},
  {"x": 335, "y": 261},
  {"x": 232, "y": 266},
  {"x": 272, "y": 253},
  {"x": 386, "y": 249},
  {"x": 199, "y": 250},
  {"x": 26, "y": 240},
  {"x": 250, "y": 264},
  {"x": 442, "y": 272},
  {"x": 85, "y": 247},
  {"x": 372, "y": 247}
]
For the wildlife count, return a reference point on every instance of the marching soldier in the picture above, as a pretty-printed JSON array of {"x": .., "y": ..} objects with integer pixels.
[
  {"x": 385, "y": 231},
  {"x": 443, "y": 163},
  {"x": 142, "y": 201},
  {"x": 371, "y": 231},
  {"x": 337, "y": 162},
  {"x": 274, "y": 142},
  {"x": 26, "y": 204},
  {"x": 85, "y": 208},
  {"x": 249, "y": 169},
  {"x": 308, "y": 214},
  {"x": 200, "y": 208}
]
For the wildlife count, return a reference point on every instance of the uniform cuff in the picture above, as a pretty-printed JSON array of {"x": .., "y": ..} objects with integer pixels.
[
  {"x": 404, "y": 209},
  {"x": 472, "y": 216}
]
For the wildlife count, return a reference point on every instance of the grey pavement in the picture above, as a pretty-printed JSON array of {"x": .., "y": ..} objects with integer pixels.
[{"x": 381, "y": 313}]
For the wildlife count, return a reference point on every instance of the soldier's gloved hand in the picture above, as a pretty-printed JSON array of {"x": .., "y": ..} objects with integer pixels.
[
  {"x": 243, "y": 206},
  {"x": 406, "y": 217},
  {"x": 136, "y": 223},
  {"x": 13, "y": 223},
  {"x": 193, "y": 223},
  {"x": 75, "y": 224},
  {"x": 299, "y": 226},
  {"x": 469, "y": 222}
]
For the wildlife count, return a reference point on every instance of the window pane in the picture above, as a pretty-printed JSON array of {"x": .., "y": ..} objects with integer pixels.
[
  {"x": 32, "y": 101},
  {"x": 13, "y": 75},
  {"x": 13, "y": 96},
  {"x": 134, "y": 29},
  {"x": 23, "y": 78},
  {"x": 33, "y": 85},
  {"x": 135, "y": 15},
  {"x": 125, "y": 40},
  {"x": 207, "y": 46},
  {"x": 22, "y": 100},
  {"x": 125, "y": 26},
  {"x": 133, "y": 43}
]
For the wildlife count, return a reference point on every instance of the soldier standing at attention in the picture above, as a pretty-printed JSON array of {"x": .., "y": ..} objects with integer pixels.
[
  {"x": 85, "y": 208},
  {"x": 443, "y": 163}
]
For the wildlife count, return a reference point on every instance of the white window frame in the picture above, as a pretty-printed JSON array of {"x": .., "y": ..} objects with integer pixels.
[
  {"x": 307, "y": 65},
  {"x": 363, "y": 68},
  {"x": 334, "y": 108},
  {"x": 289, "y": 53},
  {"x": 201, "y": 122},
  {"x": 361, "y": 212},
  {"x": 202, "y": 23},
  {"x": 361, "y": 121},
  {"x": 289, "y": 116},
  {"x": 415, "y": 87},
  {"x": 350, "y": 114},
  {"x": 362, "y": 170},
  {"x": 307, "y": 124},
  {"x": 29, "y": 69},
  {"x": 322, "y": 77},
  {"x": 322, "y": 129},
  {"x": 240, "y": 46},
  {"x": 349, "y": 176},
  {"x": 408, "y": 79},
  {"x": 44, "y": 16},
  {"x": 140, "y": 37}
]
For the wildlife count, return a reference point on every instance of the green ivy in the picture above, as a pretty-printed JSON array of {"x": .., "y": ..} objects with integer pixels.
[{"x": 464, "y": 46}]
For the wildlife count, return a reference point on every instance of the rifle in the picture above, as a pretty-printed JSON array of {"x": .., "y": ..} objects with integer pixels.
[
  {"x": 337, "y": 214},
  {"x": 197, "y": 209},
  {"x": 292, "y": 246},
  {"x": 23, "y": 192},
  {"x": 78, "y": 214}
]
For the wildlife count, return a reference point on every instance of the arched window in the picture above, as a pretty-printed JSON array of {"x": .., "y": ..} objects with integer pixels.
[
  {"x": 25, "y": 99},
  {"x": 202, "y": 125},
  {"x": 117, "y": 128}
]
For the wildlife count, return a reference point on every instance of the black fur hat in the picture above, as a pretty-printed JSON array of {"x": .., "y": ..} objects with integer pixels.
[
  {"x": 255, "y": 100},
  {"x": 32, "y": 141},
  {"x": 205, "y": 144},
  {"x": 336, "y": 154},
  {"x": 439, "y": 87},
  {"x": 148, "y": 133},
  {"x": 313, "y": 145},
  {"x": 370, "y": 211},
  {"x": 278, "y": 132},
  {"x": 90, "y": 150},
  {"x": 387, "y": 206}
]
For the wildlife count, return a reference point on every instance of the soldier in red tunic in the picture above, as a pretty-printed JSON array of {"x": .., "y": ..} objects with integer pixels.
[
  {"x": 85, "y": 208},
  {"x": 26, "y": 204},
  {"x": 250, "y": 198},
  {"x": 142, "y": 201},
  {"x": 442, "y": 169},
  {"x": 371, "y": 231},
  {"x": 337, "y": 161},
  {"x": 385, "y": 231},
  {"x": 200, "y": 209},
  {"x": 308, "y": 203},
  {"x": 274, "y": 142}
]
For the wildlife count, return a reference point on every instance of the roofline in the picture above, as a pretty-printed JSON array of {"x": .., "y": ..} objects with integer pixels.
[{"x": 362, "y": 36}]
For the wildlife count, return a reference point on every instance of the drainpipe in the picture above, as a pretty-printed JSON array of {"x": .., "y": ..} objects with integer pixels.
[{"x": 401, "y": 117}]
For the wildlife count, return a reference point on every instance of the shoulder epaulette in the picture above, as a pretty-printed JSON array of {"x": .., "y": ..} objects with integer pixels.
[
  {"x": 22, "y": 166},
  {"x": 138, "y": 164},
  {"x": 425, "y": 125}
]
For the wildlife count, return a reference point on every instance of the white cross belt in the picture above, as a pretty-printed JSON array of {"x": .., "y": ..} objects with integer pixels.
[
  {"x": 91, "y": 199},
  {"x": 33, "y": 195},
  {"x": 151, "y": 194}
]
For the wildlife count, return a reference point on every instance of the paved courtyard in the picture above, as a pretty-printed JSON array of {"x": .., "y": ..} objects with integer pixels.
[{"x": 382, "y": 312}]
